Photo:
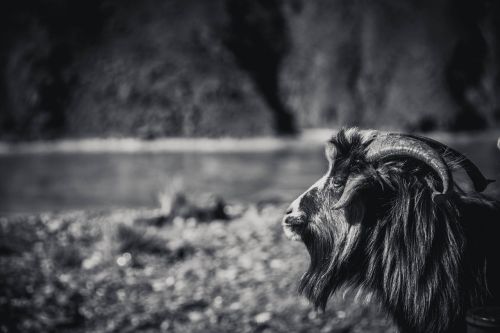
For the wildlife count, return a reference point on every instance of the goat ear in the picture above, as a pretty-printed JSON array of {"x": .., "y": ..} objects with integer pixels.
[{"x": 353, "y": 185}]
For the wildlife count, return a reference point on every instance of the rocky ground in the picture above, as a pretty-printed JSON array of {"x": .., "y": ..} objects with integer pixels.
[{"x": 144, "y": 271}]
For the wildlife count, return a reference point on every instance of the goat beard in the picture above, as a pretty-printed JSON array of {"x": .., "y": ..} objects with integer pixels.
[
  {"x": 317, "y": 284},
  {"x": 332, "y": 253}
]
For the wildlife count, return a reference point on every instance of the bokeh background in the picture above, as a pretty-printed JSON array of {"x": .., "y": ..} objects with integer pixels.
[
  {"x": 148, "y": 149},
  {"x": 244, "y": 68}
]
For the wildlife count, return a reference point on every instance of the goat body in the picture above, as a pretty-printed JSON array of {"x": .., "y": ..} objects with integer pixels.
[{"x": 387, "y": 217}]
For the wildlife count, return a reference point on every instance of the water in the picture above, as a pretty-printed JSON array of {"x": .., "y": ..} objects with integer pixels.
[{"x": 32, "y": 182}]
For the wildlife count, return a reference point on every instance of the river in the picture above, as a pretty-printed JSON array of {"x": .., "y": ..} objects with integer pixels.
[{"x": 58, "y": 180}]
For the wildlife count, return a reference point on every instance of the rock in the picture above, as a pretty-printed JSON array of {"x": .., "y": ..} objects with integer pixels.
[
  {"x": 204, "y": 209},
  {"x": 154, "y": 221}
]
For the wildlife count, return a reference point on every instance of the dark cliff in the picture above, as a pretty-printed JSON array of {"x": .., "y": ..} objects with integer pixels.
[{"x": 241, "y": 68}]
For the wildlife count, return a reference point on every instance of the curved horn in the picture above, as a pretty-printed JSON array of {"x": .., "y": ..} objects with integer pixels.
[
  {"x": 478, "y": 180},
  {"x": 392, "y": 145}
]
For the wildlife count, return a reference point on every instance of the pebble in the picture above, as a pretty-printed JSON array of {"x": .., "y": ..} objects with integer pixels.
[
  {"x": 263, "y": 317},
  {"x": 124, "y": 259}
]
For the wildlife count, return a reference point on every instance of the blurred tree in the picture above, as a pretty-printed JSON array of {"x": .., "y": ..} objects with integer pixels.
[
  {"x": 245, "y": 67},
  {"x": 257, "y": 35},
  {"x": 466, "y": 66},
  {"x": 40, "y": 40}
]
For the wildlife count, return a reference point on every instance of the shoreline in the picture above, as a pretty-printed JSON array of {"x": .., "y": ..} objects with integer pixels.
[{"x": 307, "y": 139}]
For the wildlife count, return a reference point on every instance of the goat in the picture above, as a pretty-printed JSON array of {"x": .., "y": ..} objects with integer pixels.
[{"x": 388, "y": 218}]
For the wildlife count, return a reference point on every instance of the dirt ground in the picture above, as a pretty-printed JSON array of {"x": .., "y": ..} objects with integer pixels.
[{"x": 117, "y": 271}]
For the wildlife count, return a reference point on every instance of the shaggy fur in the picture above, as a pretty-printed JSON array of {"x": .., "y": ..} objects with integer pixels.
[{"x": 427, "y": 262}]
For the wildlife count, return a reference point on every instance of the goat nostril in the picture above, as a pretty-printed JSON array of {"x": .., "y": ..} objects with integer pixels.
[
  {"x": 289, "y": 210},
  {"x": 293, "y": 221}
]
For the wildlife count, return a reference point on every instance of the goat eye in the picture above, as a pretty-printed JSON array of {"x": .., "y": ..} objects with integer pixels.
[{"x": 337, "y": 184}]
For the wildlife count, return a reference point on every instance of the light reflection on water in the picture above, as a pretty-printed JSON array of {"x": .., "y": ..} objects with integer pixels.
[{"x": 52, "y": 181}]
